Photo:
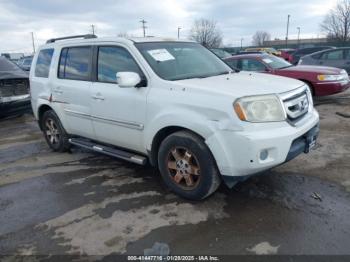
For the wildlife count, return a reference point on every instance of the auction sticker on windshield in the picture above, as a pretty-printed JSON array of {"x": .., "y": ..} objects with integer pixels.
[
  {"x": 161, "y": 55},
  {"x": 267, "y": 60}
]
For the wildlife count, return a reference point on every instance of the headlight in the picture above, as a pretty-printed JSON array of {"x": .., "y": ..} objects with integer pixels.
[
  {"x": 265, "y": 108},
  {"x": 342, "y": 76}
]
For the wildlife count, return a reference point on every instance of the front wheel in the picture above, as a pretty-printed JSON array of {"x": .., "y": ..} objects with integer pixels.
[{"x": 187, "y": 166}]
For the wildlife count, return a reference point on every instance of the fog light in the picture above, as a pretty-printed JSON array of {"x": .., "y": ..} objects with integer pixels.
[{"x": 264, "y": 154}]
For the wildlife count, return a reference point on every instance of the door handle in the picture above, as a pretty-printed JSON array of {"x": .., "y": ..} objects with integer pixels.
[{"x": 98, "y": 96}]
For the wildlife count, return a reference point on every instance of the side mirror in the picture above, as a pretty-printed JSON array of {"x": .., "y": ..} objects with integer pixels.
[{"x": 128, "y": 79}]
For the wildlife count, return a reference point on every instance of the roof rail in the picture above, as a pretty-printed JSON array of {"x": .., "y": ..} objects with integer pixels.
[{"x": 88, "y": 36}]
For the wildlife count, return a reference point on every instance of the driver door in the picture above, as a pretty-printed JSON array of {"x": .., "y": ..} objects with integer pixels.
[{"x": 118, "y": 114}]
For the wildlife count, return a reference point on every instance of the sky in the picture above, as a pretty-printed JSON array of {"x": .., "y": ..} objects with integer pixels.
[{"x": 236, "y": 18}]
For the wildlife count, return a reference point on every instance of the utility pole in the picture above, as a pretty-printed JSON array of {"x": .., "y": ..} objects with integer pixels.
[
  {"x": 33, "y": 42},
  {"x": 93, "y": 29},
  {"x": 144, "y": 27},
  {"x": 178, "y": 32},
  {"x": 287, "y": 30},
  {"x": 242, "y": 43},
  {"x": 298, "y": 36}
]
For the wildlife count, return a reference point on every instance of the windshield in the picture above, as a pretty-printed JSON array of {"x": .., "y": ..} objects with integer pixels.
[
  {"x": 221, "y": 53},
  {"x": 6, "y": 65},
  {"x": 276, "y": 62},
  {"x": 179, "y": 60}
]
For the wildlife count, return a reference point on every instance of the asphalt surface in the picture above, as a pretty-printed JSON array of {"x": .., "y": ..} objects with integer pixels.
[{"x": 84, "y": 203}]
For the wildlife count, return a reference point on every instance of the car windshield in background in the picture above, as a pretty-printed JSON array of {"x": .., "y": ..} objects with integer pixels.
[
  {"x": 6, "y": 65},
  {"x": 221, "y": 53},
  {"x": 276, "y": 62},
  {"x": 178, "y": 60}
]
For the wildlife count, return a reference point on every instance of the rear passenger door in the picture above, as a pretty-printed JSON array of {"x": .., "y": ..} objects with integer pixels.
[
  {"x": 72, "y": 89},
  {"x": 334, "y": 58},
  {"x": 118, "y": 113}
]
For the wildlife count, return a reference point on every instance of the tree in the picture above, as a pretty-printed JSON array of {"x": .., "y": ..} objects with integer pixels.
[
  {"x": 207, "y": 33},
  {"x": 336, "y": 24},
  {"x": 260, "y": 37}
]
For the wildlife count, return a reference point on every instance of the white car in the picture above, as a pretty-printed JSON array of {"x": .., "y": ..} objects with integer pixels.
[{"x": 171, "y": 103}]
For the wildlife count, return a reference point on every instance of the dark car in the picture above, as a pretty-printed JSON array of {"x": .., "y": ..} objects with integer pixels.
[
  {"x": 14, "y": 89},
  {"x": 339, "y": 58},
  {"x": 25, "y": 63},
  {"x": 286, "y": 53},
  {"x": 306, "y": 51},
  {"x": 321, "y": 80}
]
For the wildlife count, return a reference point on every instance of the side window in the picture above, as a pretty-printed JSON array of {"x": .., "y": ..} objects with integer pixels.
[
  {"x": 43, "y": 63},
  {"x": 347, "y": 54},
  {"x": 333, "y": 55},
  {"x": 113, "y": 59},
  {"x": 75, "y": 63},
  {"x": 252, "y": 65}
]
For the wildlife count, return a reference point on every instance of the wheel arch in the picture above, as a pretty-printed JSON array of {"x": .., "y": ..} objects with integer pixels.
[
  {"x": 41, "y": 110},
  {"x": 160, "y": 136}
]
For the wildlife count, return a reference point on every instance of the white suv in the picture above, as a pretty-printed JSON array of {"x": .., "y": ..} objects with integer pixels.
[{"x": 172, "y": 103}]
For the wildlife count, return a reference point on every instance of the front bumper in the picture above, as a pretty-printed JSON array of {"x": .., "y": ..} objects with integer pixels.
[
  {"x": 330, "y": 88},
  {"x": 14, "y": 106},
  {"x": 262, "y": 147}
]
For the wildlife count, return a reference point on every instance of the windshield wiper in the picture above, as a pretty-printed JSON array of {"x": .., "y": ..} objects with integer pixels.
[{"x": 283, "y": 67}]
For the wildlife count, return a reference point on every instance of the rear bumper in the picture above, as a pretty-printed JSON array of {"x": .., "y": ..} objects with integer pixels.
[
  {"x": 15, "y": 107},
  {"x": 330, "y": 88}
]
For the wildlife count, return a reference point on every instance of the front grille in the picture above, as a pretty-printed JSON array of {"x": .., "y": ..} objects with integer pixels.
[
  {"x": 14, "y": 87},
  {"x": 296, "y": 105}
]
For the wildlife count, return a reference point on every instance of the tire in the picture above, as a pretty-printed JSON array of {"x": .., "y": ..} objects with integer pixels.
[
  {"x": 187, "y": 166},
  {"x": 55, "y": 135}
]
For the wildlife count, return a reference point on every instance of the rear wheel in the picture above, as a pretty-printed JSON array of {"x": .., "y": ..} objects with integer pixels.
[
  {"x": 55, "y": 135},
  {"x": 187, "y": 166}
]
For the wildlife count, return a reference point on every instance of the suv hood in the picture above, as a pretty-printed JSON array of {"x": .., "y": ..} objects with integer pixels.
[
  {"x": 313, "y": 69},
  {"x": 242, "y": 84}
]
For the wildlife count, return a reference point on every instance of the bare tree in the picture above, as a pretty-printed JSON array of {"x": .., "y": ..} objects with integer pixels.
[
  {"x": 336, "y": 24},
  {"x": 207, "y": 33},
  {"x": 260, "y": 37}
]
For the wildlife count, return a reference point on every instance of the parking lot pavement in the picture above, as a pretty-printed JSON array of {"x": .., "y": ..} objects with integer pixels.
[{"x": 84, "y": 203}]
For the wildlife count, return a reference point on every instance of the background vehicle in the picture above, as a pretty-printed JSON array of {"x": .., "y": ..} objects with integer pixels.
[
  {"x": 220, "y": 53},
  {"x": 14, "y": 89},
  {"x": 268, "y": 50},
  {"x": 306, "y": 51},
  {"x": 339, "y": 58},
  {"x": 172, "y": 103},
  {"x": 25, "y": 62},
  {"x": 286, "y": 54},
  {"x": 322, "y": 80}
]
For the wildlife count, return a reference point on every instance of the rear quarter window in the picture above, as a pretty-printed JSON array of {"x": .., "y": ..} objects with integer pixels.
[{"x": 42, "y": 67}]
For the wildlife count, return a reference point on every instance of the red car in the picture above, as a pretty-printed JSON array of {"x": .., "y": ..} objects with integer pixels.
[
  {"x": 321, "y": 80},
  {"x": 286, "y": 54}
]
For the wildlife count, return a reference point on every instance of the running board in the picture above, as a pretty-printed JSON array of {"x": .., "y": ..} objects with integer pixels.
[{"x": 137, "y": 159}]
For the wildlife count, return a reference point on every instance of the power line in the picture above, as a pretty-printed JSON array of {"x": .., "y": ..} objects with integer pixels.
[{"x": 144, "y": 22}]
